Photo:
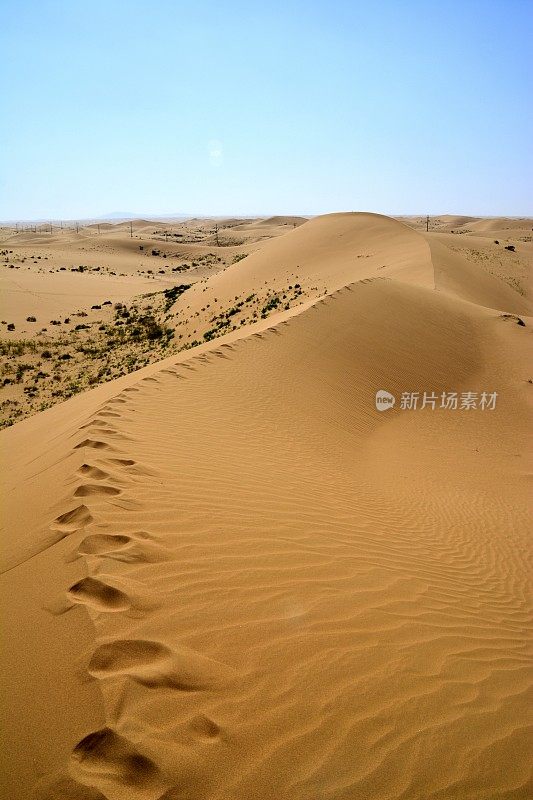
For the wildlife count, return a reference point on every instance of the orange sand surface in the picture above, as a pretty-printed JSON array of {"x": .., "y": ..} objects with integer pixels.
[{"x": 228, "y": 576}]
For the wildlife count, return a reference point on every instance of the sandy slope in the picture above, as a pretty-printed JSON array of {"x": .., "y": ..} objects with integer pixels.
[
  {"x": 333, "y": 250},
  {"x": 229, "y": 576},
  {"x": 321, "y": 256},
  {"x": 45, "y": 296},
  {"x": 478, "y": 225}
]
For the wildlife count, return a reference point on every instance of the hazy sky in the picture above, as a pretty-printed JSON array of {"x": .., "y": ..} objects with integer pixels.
[{"x": 255, "y": 108}]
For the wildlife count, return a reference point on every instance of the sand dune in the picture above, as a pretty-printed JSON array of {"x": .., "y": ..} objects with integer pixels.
[
  {"x": 229, "y": 576},
  {"x": 318, "y": 257},
  {"x": 502, "y": 223},
  {"x": 331, "y": 251},
  {"x": 484, "y": 226},
  {"x": 457, "y": 275},
  {"x": 294, "y": 221}
]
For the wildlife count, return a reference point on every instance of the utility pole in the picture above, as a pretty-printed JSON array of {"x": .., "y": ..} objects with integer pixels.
[
  {"x": 216, "y": 232},
  {"x": 98, "y": 230},
  {"x": 427, "y": 223},
  {"x": 50, "y": 229},
  {"x": 131, "y": 230},
  {"x": 77, "y": 227}
]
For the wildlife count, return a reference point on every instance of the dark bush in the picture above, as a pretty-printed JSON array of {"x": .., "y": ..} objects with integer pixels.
[
  {"x": 173, "y": 293},
  {"x": 272, "y": 303}
]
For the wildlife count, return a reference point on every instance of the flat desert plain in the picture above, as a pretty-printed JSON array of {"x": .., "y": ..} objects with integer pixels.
[{"x": 227, "y": 573}]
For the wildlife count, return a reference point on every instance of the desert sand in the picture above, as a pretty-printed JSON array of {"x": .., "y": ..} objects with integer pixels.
[{"x": 227, "y": 575}]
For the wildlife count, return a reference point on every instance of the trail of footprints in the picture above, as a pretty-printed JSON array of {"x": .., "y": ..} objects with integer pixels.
[{"x": 105, "y": 761}]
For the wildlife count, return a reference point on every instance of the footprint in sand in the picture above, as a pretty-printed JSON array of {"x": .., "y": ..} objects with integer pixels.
[
  {"x": 101, "y": 543},
  {"x": 134, "y": 548},
  {"x": 153, "y": 664},
  {"x": 95, "y": 422},
  {"x": 102, "y": 594},
  {"x": 94, "y": 490},
  {"x": 72, "y": 521},
  {"x": 88, "y": 471},
  {"x": 94, "y": 444},
  {"x": 97, "y": 429},
  {"x": 91, "y": 592},
  {"x": 106, "y": 761},
  {"x": 134, "y": 468},
  {"x": 98, "y": 595}
]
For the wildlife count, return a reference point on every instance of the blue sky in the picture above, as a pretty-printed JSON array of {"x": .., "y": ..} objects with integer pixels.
[{"x": 258, "y": 108}]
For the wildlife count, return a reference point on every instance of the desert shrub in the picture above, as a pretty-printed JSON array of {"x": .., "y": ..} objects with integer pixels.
[
  {"x": 272, "y": 304},
  {"x": 172, "y": 294},
  {"x": 21, "y": 369},
  {"x": 152, "y": 329}
]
